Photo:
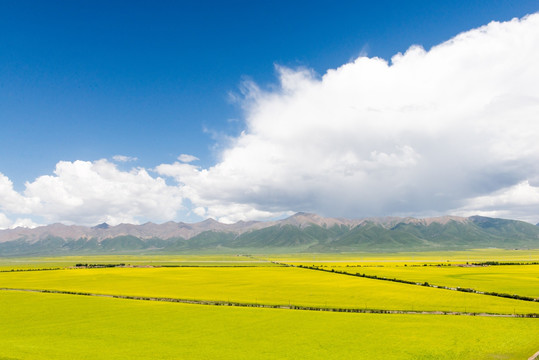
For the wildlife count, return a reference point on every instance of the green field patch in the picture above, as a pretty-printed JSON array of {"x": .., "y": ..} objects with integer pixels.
[
  {"x": 51, "y": 326},
  {"x": 264, "y": 285}
]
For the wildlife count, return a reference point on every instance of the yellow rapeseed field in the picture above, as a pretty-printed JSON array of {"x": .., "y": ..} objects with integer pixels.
[
  {"x": 267, "y": 285},
  {"x": 64, "y": 327}
]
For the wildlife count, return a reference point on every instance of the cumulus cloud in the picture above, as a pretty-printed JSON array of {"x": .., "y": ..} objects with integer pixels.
[
  {"x": 13, "y": 202},
  {"x": 427, "y": 132},
  {"x": 84, "y": 192},
  {"x": 520, "y": 201},
  {"x": 186, "y": 158},
  {"x": 25, "y": 223},
  {"x": 4, "y": 221},
  {"x": 123, "y": 158}
]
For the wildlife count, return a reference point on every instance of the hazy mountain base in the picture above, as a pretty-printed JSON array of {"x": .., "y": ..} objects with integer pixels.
[{"x": 370, "y": 236}]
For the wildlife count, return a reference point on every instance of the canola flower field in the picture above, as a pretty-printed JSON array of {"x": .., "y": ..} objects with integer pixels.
[
  {"x": 509, "y": 279},
  {"x": 393, "y": 320}
]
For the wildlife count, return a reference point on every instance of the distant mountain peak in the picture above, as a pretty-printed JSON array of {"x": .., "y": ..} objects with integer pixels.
[
  {"x": 304, "y": 219},
  {"x": 443, "y": 220},
  {"x": 102, "y": 226},
  {"x": 210, "y": 221},
  {"x": 302, "y": 213}
]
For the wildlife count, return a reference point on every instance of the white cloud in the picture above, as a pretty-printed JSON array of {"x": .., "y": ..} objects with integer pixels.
[
  {"x": 84, "y": 192},
  {"x": 123, "y": 158},
  {"x": 186, "y": 158},
  {"x": 519, "y": 201},
  {"x": 25, "y": 223},
  {"x": 5, "y": 223},
  {"x": 13, "y": 202},
  {"x": 425, "y": 133}
]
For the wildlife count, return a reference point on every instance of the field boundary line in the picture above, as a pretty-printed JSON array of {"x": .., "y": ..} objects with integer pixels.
[
  {"x": 270, "y": 306},
  {"x": 534, "y": 356}
]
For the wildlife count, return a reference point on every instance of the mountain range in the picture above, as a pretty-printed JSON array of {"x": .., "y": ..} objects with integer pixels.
[{"x": 302, "y": 232}]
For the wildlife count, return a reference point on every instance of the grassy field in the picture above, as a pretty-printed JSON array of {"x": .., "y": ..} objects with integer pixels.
[
  {"x": 56, "y": 326},
  {"x": 51, "y": 326}
]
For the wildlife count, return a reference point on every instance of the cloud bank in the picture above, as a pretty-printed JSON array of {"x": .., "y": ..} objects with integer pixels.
[
  {"x": 450, "y": 130},
  {"x": 430, "y": 132},
  {"x": 83, "y": 192}
]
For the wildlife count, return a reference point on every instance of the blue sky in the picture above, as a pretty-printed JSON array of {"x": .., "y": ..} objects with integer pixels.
[{"x": 84, "y": 81}]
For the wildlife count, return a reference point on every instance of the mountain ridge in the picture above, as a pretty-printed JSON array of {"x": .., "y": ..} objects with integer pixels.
[
  {"x": 173, "y": 229},
  {"x": 299, "y": 232}
]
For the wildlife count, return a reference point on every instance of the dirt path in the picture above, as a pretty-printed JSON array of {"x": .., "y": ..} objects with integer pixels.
[
  {"x": 534, "y": 356},
  {"x": 269, "y": 306}
]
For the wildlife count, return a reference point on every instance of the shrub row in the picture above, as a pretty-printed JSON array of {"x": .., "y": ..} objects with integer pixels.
[
  {"x": 495, "y": 263},
  {"x": 17, "y": 270},
  {"x": 91, "y": 266}
]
